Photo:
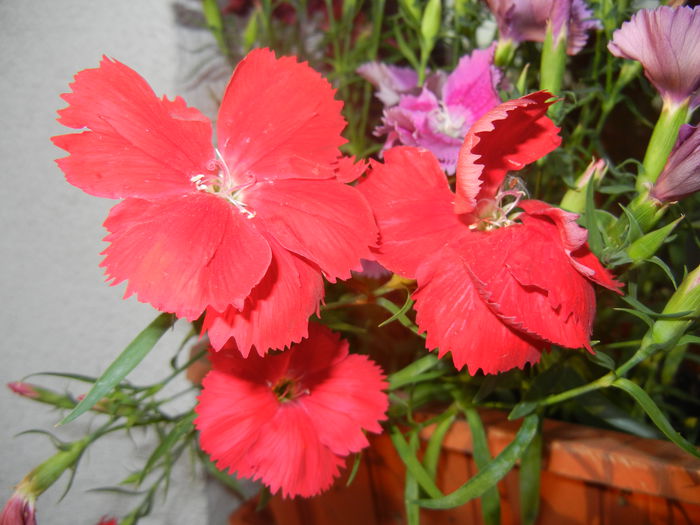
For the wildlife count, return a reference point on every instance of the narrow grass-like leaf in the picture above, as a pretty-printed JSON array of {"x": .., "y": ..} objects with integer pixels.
[
  {"x": 401, "y": 311},
  {"x": 125, "y": 363},
  {"x": 407, "y": 374},
  {"x": 601, "y": 359},
  {"x": 401, "y": 317},
  {"x": 413, "y": 465},
  {"x": 655, "y": 414},
  {"x": 432, "y": 451},
  {"x": 353, "y": 471},
  {"x": 529, "y": 479},
  {"x": 66, "y": 375},
  {"x": 595, "y": 238},
  {"x": 522, "y": 409},
  {"x": 411, "y": 487},
  {"x": 492, "y": 473},
  {"x": 181, "y": 428},
  {"x": 490, "y": 500}
]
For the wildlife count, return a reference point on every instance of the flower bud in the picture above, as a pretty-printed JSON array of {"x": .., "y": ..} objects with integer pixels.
[
  {"x": 19, "y": 509},
  {"x": 574, "y": 200},
  {"x": 685, "y": 299},
  {"x": 681, "y": 174}
]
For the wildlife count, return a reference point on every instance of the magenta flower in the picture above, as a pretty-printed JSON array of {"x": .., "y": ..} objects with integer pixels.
[
  {"x": 666, "y": 41},
  {"x": 526, "y": 20},
  {"x": 437, "y": 116},
  {"x": 681, "y": 175}
]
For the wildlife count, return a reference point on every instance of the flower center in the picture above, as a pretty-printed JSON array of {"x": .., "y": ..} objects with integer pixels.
[
  {"x": 287, "y": 389},
  {"x": 499, "y": 211},
  {"x": 222, "y": 184},
  {"x": 450, "y": 123}
]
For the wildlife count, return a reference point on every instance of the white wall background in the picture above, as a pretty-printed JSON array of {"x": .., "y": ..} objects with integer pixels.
[{"x": 57, "y": 313}]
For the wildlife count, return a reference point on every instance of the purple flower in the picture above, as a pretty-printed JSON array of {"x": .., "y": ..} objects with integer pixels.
[
  {"x": 666, "y": 41},
  {"x": 438, "y": 115},
  {"x": 526, "y": 20},
  {"x": 681, "y": 175}
]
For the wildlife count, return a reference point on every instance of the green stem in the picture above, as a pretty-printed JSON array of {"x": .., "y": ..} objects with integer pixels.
[{"x": 661, "y": 143}]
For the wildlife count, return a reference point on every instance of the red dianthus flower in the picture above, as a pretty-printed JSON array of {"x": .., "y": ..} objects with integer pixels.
[
  {"x": 290, "y": 418},
  {"x": 243, "y": 231},
  {"x": 494, "y": 288}
]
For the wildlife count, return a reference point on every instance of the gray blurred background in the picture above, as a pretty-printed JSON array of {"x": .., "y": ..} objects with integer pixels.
[{"x": 57, "y": 312}]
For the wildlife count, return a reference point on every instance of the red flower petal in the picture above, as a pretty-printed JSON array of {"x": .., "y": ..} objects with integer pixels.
[
  {"x": 456, "y": 319},
  {"x": 526, "y": 277},
  {"x": 507, "y": 138},
  {"x": 346, "y": 403},
  {"x": 325, "y": 221},
  {"x": 182, "y": 254},
  {"x": 139, "y": 145},
  {"x": 277, "y": 310},
  {"x": 412, "y": 203},
  {"x": 290, "y": 456},
  {"x": 573, "y": 238},
  {"x": 278, "y": 119},
  {"x": 284, "y": 442}
]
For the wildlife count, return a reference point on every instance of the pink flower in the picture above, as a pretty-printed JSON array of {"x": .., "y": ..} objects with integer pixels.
[
  {"x": 495, "y": 287},
  {"x": 391, "y": 81},
  {"x": 19, "y": 510},
  {"x": 438, "y": 115},
  {"x": 105, "y": 520},
  {"x": 243, "y": 232},
  {"x": 666, "y": 41},
  {"x": 289, "y": 419},
  {"x": 681, "y": 175},
  {"x": 526, "y": 20}
]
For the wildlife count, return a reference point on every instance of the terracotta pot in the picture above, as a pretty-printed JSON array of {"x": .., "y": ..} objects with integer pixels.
[{"x": 590, "y": 476}]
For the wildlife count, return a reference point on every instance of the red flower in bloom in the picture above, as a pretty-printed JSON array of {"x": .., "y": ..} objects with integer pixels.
[
  {"x": 290, "y": 418},
  {"x": 494, "y": 288},
  {"x": 244, "y": 231}
]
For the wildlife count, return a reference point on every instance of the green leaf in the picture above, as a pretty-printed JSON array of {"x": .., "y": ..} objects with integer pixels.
[
  {"x": 413, "y": 465},
  {"x": 405, "y": 49},
  {"x": 409, "y": 373},
  {"x": 600, "y": 407},
  {"x": 490, "y": 501},
  {"x": 411, "y": 492},
  {"x": 353, "y": 471},
  {"x": 401, "y": 317},
  {"x": 655, "y": 414},
  {"x": 125, "y": 363},
  {"x": 529, "y": 479},
  {"x": 522, "y": 409},
  {"x": 601, "y": 359},
  {"x": 400, "y": 312},
  {"x": 658, "y": 262},
  {"x": 215, "y": 22},
  {"x": 647, "y": 245},
  {"x": 432, "y": 451},
  {"x": 590, "y": 219},
  {"x": 183, "y": 427},
  {"x": 250, "y": 33},
  {"x": 492, "y": 473}
]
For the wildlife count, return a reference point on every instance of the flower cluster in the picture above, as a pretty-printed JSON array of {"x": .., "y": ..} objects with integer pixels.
[{"x": 240, "y": 227}]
